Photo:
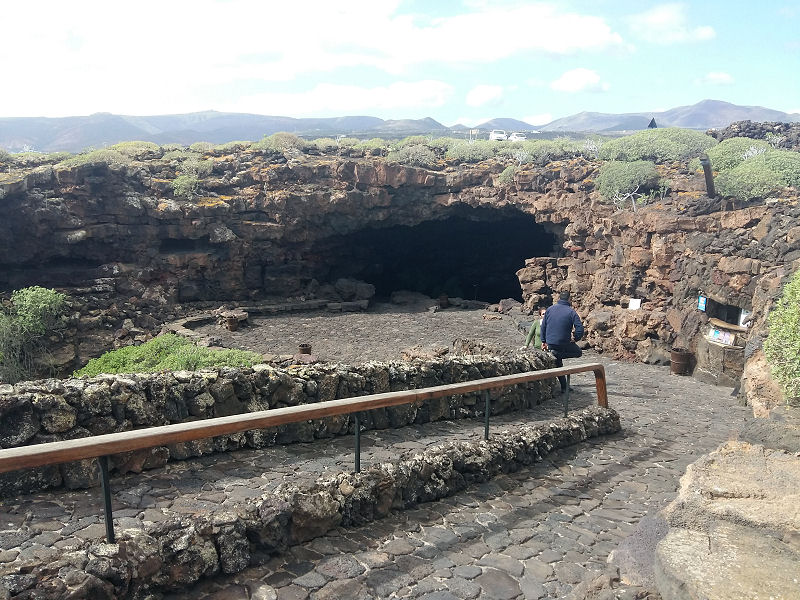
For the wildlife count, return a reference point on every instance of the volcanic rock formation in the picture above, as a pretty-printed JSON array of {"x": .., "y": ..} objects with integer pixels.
[{"x": 272, "y": 225}]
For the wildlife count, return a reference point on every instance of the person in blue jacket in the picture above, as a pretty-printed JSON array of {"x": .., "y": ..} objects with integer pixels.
[{"x": 561, "y": 328}]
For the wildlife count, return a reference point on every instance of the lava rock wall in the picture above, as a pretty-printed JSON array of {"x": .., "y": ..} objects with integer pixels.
[
  {"x": 118, "y": 241},
  {"x": 53, "y": 410}
]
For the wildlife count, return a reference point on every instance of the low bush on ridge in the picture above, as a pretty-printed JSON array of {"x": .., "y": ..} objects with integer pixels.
[
  {"x": 761, "y": 175},
  {"x": 471, "y": 152},
  {"x": 657, "y": 145},
  {"x": 138, "y": 150},
  {"x": 417, "y": 155},
  {"x": 281, "y": 142},
  {"x": 506, "y": 178},
  {"x": 106, "y": 156},
  {"x": 731, "y": 153},
  {"x": 618, "y": 178}
]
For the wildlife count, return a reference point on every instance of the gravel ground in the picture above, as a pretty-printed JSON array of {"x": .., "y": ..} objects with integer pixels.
[{"x": 381, "y": 333}]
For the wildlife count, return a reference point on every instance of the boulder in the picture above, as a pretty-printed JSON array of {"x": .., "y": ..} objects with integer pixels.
[
  {"x": 728, "y": 561},
  {"x": 732, "y": 526},
  {"x": 762, "y": 392}
]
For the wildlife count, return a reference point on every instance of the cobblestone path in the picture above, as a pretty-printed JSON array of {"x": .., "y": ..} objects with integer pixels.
[{"x": 532, "y": 534}]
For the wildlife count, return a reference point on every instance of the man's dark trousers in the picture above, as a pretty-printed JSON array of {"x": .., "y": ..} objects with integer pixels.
[{"x": 562, "y": 351}]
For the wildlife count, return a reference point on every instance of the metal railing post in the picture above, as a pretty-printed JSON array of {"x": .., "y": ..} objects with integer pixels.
[
  {"x": 486, "y": 410},
  {"x": 105, "y": 485},
  {"x": 566, "y": 398},
  {"x": 358, "y": 442}
]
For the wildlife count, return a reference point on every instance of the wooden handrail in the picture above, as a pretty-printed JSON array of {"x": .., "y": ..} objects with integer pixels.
[{"x": 37, "y": 455}]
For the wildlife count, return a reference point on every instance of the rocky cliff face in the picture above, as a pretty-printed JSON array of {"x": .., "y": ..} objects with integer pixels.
[{"x": 289, "y": 225}]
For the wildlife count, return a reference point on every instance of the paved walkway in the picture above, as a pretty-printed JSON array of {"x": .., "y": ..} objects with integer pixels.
[{"x": 532, "y": 534}]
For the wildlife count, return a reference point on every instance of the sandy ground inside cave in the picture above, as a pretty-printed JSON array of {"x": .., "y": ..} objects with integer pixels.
[{"x": 381, "y": 333}]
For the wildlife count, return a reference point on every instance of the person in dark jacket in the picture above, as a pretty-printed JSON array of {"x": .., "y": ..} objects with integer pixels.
[{"x": 561, "y": 328}]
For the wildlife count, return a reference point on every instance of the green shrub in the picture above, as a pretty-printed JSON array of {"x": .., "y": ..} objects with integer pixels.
[
  {"x": 201, "y": 147},
  {"x": 618, "y": 178},
  {"x": 184, "y": 186},
  {"x": 782, "y": 346},
  {"x": 441, "y": 145},
  {"x": 325, "y": 144},
  {"x": 137, "y": 150},
  {"x": 111, "y": 158},
  {"x": 417, "y": 155},
  {"x": 34, "y": 313},
  {"x": 411, "y": 140},
  {"x": 784, "y": 163},
  {"x": 761, "y": 175},
  {"x": 232, "y": 146},
  {"x": 730, "y": 153},
  {"x": 567, "y": 146},
  {"x": 508, "y": 149},
  {"x": 507, "y": 176},
  {"x": 280, "y": 142},
  {"x": 471, "y": 152},
  {"x": 37, "y": 309},
  {"x": 35, "y": 159},
  {"x": 347, "y": 142},
  {"x": 5, "y": 156},
  {"x": 372, "y": 144},
  {"x": 541, "y": 152},
  {"x": 196, "y": 167},
  {"x": 748, "y": 181},
  {"x": 657, "y": 145},
  {"x": 177, "y": 154},
  {"x": 166, "y": 353}
]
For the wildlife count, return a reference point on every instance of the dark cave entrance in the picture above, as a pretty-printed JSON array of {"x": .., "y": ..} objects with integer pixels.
[{"x": 471, "y": 255}]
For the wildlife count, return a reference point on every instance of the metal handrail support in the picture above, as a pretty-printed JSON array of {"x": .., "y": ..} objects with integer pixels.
[{"x": 100, "y": 446}]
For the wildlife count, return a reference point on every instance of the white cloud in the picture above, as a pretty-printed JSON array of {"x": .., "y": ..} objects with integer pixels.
[
  {"x": 118, "y": 57},
  {"x": 579, "y": 80},
  {"x": 540, "y": 119},
  {"x": 668, "y": 24},
  {"x": 715, "y": 78},
  {"x": 330, "y": 99},
  {"x": 481, "y": 95}
]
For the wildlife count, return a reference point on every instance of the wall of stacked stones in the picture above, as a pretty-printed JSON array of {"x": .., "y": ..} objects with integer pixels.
[
  {"x": 738, "y": 257},
  {"x": 52, "y": 410}
]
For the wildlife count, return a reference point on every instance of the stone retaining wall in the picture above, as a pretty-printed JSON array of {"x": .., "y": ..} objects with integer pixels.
[
  {"x": 52, "y": 410},
  {"x": 179, "y": 551}
]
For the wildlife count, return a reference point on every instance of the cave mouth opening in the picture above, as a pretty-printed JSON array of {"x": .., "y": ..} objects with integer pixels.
[{"x": 473, "y": 255}]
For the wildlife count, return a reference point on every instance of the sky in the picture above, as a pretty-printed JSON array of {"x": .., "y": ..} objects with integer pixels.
[{"x": 455, "y": 61}]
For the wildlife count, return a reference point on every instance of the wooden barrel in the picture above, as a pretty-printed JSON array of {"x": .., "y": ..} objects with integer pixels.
[{"x": 680, "y": 361}]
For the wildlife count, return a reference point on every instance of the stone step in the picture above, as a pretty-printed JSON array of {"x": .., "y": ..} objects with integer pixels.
[{"x": 210, "y": 515}]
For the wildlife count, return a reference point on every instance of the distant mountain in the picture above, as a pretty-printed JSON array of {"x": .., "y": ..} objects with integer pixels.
[
  {"x": 506, "y": 124},
  {"x": 74, "y": 134},
  {"x": 706, "y": 114}
]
